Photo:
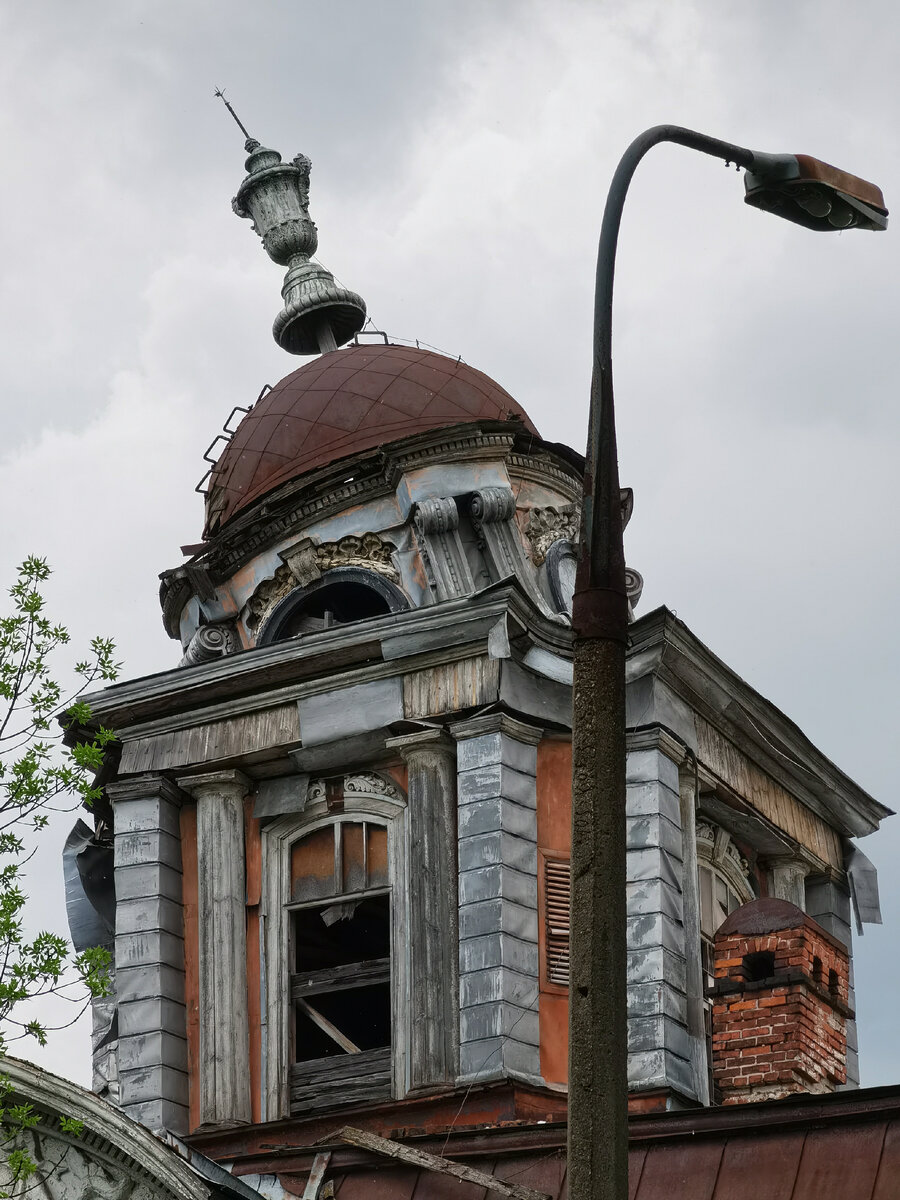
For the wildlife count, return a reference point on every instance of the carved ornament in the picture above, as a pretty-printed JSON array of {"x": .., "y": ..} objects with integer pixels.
[
  {"x": 714, "y": 845},
  {"x": 438, "y": 514},
  {"x": 305, "y": 561},
  {"x": 368, "y": 784},
  {"x": 548, "y": 525},
  {"x": 493, "y": 504}
]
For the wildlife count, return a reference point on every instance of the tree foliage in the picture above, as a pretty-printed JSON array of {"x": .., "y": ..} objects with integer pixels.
[{"x": 40, "y": 775}]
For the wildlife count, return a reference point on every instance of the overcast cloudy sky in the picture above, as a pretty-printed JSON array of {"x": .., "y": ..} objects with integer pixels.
[{"x": 461, "y": 153}]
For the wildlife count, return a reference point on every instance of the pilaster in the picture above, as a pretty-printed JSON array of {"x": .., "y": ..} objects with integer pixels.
[
  {"x": 660, "y": 1047},
  {"x": 433, "y": 932},
  {"x": 498, "y": 919},
  {"x": 787, "y": 880},
  {"x": 224, "y": 1059},
  {"x": 152, "y": 1046}
]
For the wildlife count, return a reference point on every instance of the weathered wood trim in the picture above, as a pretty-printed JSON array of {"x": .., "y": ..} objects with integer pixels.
[
  {"x": 766, "y": 795},
  {"x": 433, "y": 912},
  {"x": 224, "y": 1083}
]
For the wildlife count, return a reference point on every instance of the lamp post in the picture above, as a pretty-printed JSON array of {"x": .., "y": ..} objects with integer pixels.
[{"x": 810, "y": 193}]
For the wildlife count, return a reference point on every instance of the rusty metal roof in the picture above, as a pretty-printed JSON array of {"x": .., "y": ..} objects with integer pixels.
[
  {"x": 845, "y": 1145},
  {"x": 342, "y": 403}
]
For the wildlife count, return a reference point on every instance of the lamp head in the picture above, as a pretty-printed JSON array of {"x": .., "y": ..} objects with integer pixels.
[{"x": 813, "y": 193}]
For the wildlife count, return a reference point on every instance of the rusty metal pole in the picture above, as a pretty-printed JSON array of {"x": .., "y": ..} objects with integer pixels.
[{"x": 598, "y": 1103}]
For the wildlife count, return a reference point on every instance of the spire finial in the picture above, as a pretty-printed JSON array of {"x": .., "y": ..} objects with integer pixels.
[
  {"x": 238, "y": 121},
  {"x": 319, "y": 314}
]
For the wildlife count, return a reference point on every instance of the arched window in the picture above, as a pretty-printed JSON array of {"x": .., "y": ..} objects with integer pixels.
[
  {"x": 725, "y": 885},
  {"x": 339, "y": 597},
  {"x": 335, "y": 887}
]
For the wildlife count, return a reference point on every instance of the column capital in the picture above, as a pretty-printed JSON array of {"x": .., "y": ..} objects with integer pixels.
[
  {"x": 140, "y": 787},
  {"x": 215, "y": 781},
  {"x": 497, "y": 722},
  {"x": 423, "y": 740},
  {"x": 657, "y": 738}
]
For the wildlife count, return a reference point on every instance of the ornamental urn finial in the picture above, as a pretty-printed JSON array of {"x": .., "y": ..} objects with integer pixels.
[{"x": 318, "y": 314}]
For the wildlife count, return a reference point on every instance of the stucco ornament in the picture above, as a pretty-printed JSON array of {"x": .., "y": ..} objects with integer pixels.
[{"x": 318, "y": 314}]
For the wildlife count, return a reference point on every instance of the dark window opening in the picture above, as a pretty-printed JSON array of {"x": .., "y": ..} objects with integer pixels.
[
  {"x": 361, "y": 1015},
  {"x": 334, "y": 604},
  {"x": 834, "y": 982},
  {"x": 341, "y": 933},
  {"x": 759, "y": 966},
  {"x": 817, "y": 970}
]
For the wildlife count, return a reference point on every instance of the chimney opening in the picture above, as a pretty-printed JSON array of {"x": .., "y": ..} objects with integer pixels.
[{"x": 759, "y": 966}]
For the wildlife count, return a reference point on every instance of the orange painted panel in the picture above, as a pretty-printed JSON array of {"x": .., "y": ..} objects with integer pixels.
[
  {"x": 253, "y": 852},
  {"x": 312, "y": 865},
  {"x": 188, "y": 821},
  {"x": 554, "y": 830},
  {"x": 254, "y": 1013},
  {"x": 554, "y": 795},
  {"x": 378, "y": 856}
]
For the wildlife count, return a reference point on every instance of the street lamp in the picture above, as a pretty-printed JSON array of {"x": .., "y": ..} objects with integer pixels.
[{"x": 810, "y": 193}]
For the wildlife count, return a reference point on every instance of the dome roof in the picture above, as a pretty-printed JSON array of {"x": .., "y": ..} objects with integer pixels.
[{"x": 353, "y": 399}]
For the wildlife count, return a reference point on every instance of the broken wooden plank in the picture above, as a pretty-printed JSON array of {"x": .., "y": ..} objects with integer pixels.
[
  {"x": 431, "y": 1162},
  {"x": 314, "y": 1182},
  {"x": 337, "y": 979},
  {"x": 326, "y": 1026}
]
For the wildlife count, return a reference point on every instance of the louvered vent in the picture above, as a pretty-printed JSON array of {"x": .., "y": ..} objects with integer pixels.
[{"x": 557, "y": 899}]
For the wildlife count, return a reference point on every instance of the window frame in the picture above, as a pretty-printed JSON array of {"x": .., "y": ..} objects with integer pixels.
[{"x": 378, "y": 800}]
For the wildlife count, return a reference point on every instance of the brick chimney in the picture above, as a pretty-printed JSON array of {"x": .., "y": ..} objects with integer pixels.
[{"x": 779, "y": 1005}]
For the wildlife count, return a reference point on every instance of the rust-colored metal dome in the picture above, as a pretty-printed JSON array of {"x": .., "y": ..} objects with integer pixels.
[{"x": 344, "y": 402}]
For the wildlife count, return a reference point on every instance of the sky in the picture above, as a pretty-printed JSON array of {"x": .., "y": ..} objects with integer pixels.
[{"x": 461, "y": 155}]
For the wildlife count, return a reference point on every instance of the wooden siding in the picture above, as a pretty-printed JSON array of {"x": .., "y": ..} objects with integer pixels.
[
  {"x": 769, "y": 798},
  {"x": 215, "y": 741},
  {"x": 450, "y": 687}
]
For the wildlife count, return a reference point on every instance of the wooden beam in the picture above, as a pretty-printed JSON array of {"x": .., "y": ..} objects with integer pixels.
[
  {"x": 431, "y": 1162},
  {"x": 326, "y": 1026}
]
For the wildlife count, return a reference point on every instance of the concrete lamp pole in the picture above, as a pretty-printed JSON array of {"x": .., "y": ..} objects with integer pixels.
[{"x": 813, "y": 194}]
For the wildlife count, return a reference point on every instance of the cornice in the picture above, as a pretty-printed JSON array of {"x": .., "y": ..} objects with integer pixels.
[
  {"x": 269, "y": 675},
  {"x": 737, "y": 711},
  {"x": 319, "y": 494}
]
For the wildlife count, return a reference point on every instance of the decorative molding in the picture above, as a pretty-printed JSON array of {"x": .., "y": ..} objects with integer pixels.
[
  {"x": 305, "y": 562},
  {"x": 659, "y": 739},
  {"x": 269, "y": 593},
  {"x": 368, "y": 784},
  {"x": 497, "y": 722},
  {"x": 210, "y": 642},
  {"x": 715, "y": 847},
  {"x": 493, "y": 504},
  {"x": 438, "y": 514},
  {"x": 437, "y": 527},
  {"x": 368, "y": 551}
]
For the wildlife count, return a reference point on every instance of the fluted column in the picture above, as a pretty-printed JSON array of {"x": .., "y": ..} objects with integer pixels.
[
  {"x": 430, "y": 757},
  {"x": 224, "y": 1071}
]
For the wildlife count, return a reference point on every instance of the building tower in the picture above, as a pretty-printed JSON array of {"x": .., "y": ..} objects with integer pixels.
[{"x": 339, "y": 827}]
